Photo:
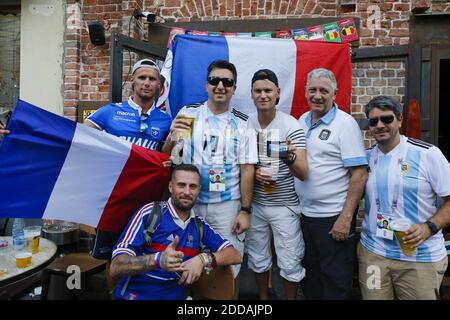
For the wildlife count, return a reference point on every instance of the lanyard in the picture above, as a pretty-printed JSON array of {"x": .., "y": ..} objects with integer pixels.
[{"x": 395, "y": 197}]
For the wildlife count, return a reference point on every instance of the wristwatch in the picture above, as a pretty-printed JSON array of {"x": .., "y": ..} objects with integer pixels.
[
  {"x": 290, "y": 161},
  {"x": 434, "y": 229},
  {"x": 247, "y": 209}
]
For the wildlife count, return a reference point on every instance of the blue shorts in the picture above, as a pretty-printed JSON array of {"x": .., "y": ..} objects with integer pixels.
[{"x": 104, "y": 244}]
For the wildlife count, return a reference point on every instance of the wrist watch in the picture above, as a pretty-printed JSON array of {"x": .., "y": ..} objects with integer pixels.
[
  {"x": 247, "y": 209},
  {"x": 434, "y": 229},
  {"x": 290, "y": 161}
]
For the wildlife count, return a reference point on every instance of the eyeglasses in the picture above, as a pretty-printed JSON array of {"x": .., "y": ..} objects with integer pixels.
[
  {"x": 385, "y": 119},
  {"x": 214, "y": 81},
  {"x": 144, "y": 125}
]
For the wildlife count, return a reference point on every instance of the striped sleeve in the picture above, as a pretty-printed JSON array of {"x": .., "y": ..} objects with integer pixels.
[
  {"x": 132, "y": 240},
  {"x": 298, "y": 138}
]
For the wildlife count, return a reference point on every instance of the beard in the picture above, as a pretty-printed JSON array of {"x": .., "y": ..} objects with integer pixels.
[{"x": 179, "y": 205}]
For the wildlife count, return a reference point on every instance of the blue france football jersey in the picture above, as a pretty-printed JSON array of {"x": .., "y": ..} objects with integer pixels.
[
  {"x": 124, "y": 120},
  {"x": 161, "y": 284}
]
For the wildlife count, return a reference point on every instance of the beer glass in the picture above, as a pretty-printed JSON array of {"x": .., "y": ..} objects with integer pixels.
[{"x": 400, "y": 226}]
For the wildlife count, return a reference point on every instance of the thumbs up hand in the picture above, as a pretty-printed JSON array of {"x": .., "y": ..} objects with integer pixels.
[{"x": 171, "y": 259}]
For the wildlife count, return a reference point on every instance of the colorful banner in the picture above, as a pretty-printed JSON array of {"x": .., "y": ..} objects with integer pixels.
[{"x": 342, "y": 31}]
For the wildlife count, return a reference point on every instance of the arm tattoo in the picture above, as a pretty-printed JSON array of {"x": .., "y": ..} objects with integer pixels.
[
  {"x": 163, "y": 261},
  {"x": 129, "y": 265}
]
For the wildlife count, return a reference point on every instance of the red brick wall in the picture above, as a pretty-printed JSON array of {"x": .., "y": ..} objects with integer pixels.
[{"x": 86, "y": 74}]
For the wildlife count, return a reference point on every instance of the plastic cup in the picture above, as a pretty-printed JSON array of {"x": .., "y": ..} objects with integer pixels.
[
  {"x": 271, "y": 186},
  {"x": 23, "y": 259},
  {"x": 32, "y": 237},
  {"x": 186, "y": 134},
  {"x": 400, "y": 226}
]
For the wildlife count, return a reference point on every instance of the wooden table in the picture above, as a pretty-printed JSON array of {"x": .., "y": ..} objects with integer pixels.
[{"x": 16, "y": 280}]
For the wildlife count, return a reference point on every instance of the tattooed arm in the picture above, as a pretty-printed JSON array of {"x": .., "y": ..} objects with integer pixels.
[{"x": 126, "y": 265}]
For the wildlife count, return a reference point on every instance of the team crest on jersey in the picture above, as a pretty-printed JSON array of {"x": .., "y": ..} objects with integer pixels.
[
  {"x": 155, "y": 132},
  {"x": 190, "y": 241},
  {"x": 405, "y": 168},
  {"x": 324, "y": 134}
]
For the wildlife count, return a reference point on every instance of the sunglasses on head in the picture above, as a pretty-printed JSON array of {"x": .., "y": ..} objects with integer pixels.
[
  {"x": 214, "y": 81},
  {"x": 144, "y": 125},
  {"x": 385, "y": 119}
]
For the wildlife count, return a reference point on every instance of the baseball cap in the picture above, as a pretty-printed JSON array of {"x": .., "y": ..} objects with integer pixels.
[
  {"x": 264, "y": 74},
  {"x": 145, "y": 63}
]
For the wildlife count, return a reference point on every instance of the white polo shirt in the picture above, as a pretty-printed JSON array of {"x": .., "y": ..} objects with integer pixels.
[{"x": 334, "y": 144}]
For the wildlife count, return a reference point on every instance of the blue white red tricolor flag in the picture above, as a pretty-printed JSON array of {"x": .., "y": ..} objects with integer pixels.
[
  {"x": 185, "y": 69},
  {"x": 55, "y": 168}
]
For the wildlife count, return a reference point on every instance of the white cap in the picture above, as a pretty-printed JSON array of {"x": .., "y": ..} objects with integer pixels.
[{"x": 145, "y": 63}]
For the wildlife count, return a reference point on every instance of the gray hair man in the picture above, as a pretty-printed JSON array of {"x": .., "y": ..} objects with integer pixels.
[{"x": 329, "y": 197}]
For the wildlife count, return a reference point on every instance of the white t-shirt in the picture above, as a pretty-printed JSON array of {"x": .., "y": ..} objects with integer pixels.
[
  {"x": 419, "y": 172},
  {"x": 334, "y": 144},
  {"x": 219, "y": 142},
  {"x": 283, "y": 126}
]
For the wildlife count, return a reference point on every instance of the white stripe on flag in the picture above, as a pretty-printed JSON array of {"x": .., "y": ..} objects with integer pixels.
[
  {"x": 100, "y": 157},
  {"x": 280, "y": 58}
]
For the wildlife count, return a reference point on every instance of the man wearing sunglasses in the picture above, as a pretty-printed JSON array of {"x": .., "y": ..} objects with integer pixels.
[
  {"x": 330, "y": 195},
  {"x": 136, "y": 120},
  {"x": 405, "y": 179},
  {"x": 220, "y": 145}
]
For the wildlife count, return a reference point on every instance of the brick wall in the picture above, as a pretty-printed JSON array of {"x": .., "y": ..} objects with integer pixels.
[{"x": 86, "y": 76}]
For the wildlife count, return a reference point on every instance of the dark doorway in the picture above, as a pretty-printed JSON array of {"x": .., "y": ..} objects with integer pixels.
[{"x": 444, "y": 109}]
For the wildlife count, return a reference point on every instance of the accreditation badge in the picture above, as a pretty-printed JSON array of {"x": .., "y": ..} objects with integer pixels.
[
  {"x": 217, "y": 180},
  {"x": 384, "y": 226}
]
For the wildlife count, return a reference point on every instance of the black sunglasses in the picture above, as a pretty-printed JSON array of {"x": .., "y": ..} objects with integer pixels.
[
  {"x": 144, "y": 125},
  {"x": 214, "y": 81},
  {"x": 385, "y": 119}
]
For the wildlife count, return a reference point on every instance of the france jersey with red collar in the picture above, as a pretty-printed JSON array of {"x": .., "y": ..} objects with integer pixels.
[{"x": 160, "y": 284}]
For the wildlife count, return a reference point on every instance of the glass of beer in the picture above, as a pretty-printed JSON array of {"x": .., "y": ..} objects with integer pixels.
[
  {"x": 23, "y": 259},
  {"x": 187, "y": 116},
  {"x": 400, "y": 226},
  {"x": 32, "y": 237},
  {"x": 271, "y": 186}
]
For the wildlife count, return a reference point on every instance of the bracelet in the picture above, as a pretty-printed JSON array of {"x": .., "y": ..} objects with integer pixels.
[
  {"x": 157, "y": 260},
  {"x": 214, "y": 261},
  {"x": 208, "y": 261}
]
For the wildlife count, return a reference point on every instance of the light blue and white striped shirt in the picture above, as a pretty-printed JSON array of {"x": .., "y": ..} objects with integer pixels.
[{"x": 423, "y": 174}]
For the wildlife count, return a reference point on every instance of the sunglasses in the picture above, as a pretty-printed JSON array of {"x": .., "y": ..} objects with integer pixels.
[
  {"x": 144, "y": 125},
  {"x": 385, "y": 119},
  {"x": 214, "y": 81}
]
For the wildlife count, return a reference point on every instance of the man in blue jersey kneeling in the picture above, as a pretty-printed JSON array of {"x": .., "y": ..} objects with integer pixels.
[
  {"x": 405, "y": 179},
  {"x": 161, "y": 269}
]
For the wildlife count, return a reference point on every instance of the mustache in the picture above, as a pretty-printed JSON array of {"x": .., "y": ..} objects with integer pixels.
[{"x": 320, "y": 101}]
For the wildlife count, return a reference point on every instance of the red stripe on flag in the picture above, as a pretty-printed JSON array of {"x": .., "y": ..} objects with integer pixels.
[
  {"x": 143, "y": 179},
  {"x": 186, "y": 251},
  {"x": 332, "y": 56}
]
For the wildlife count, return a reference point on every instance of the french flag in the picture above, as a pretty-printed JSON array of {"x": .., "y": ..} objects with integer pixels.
[
  {"x": 55, "y": 168},
  {"x": 185, "y": 69}
]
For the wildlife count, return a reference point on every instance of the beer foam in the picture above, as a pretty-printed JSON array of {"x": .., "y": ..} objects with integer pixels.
[{"x": 400, "y": 224}]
